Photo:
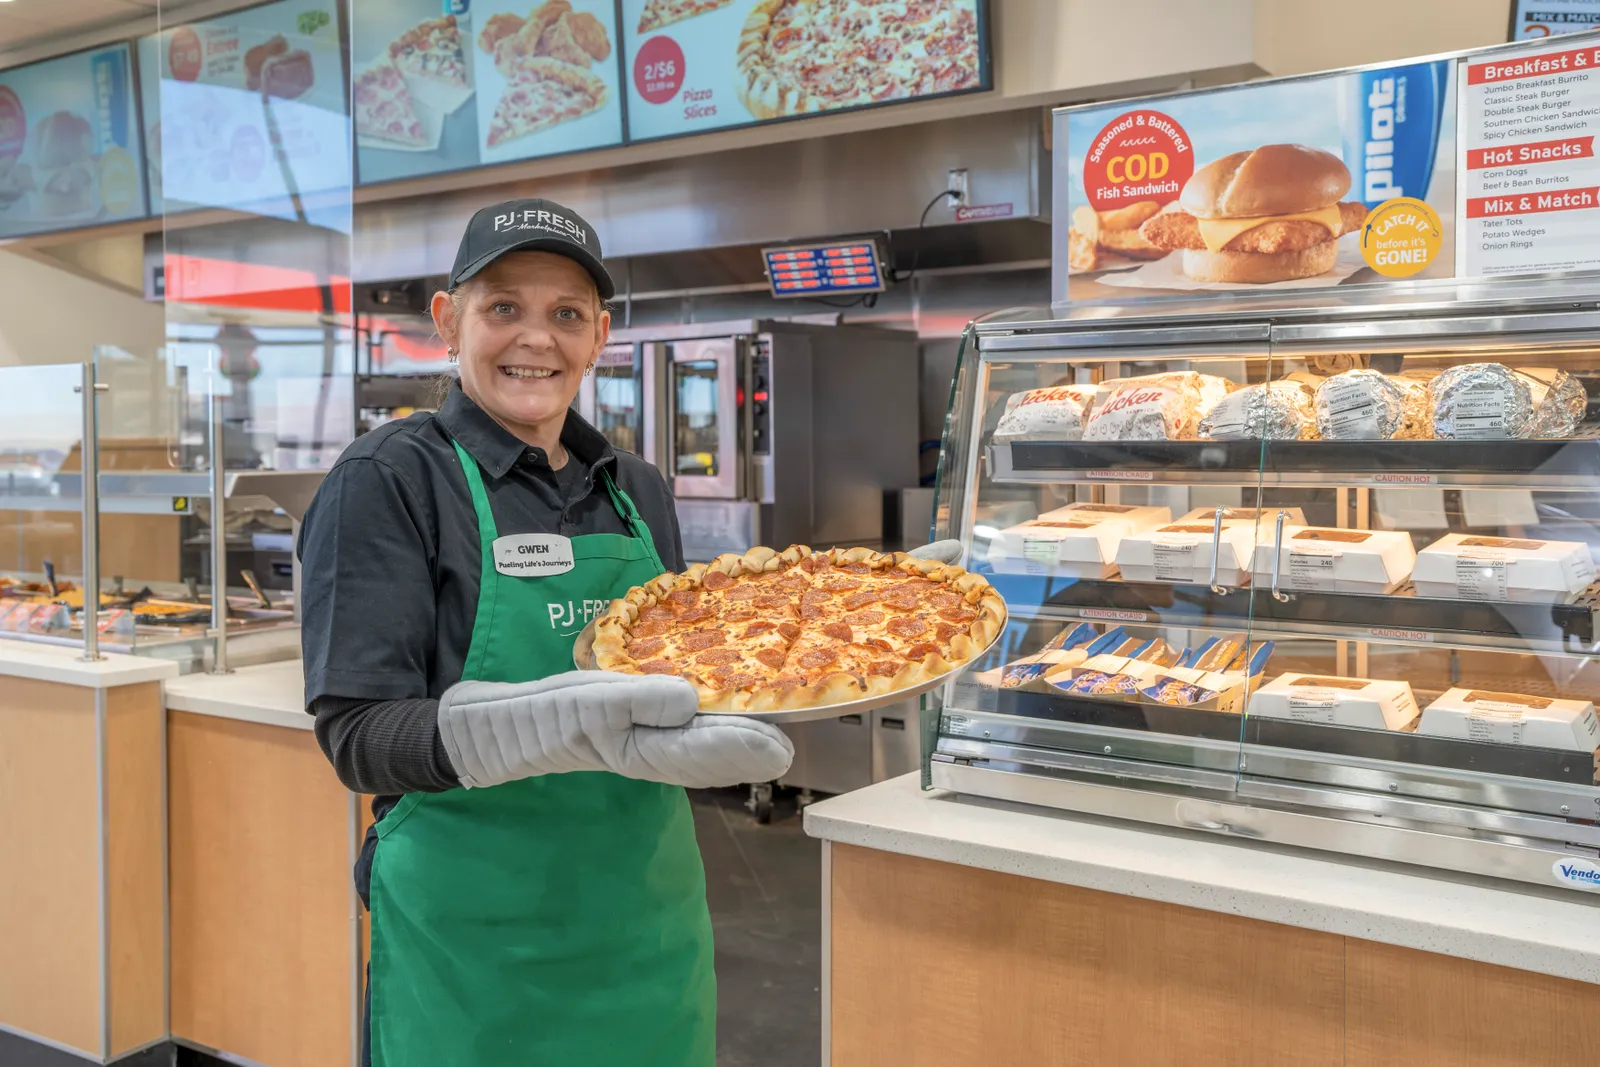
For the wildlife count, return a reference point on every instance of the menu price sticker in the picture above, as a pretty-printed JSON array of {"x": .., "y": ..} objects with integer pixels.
[
  {"x": 658, "y": 70},
  {"x": 1529, "y": 174}
]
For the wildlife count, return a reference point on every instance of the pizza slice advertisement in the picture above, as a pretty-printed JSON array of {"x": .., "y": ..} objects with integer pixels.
[
  {"x": 384, "y": 110},
  {"x": 540, "y": 94},
  {"x": 763, "y": 60}
]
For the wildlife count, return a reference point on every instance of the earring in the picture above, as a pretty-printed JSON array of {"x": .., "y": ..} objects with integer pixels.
[
  {"x": 450, "y": 353},
  {"x": 588, "y": 370}
]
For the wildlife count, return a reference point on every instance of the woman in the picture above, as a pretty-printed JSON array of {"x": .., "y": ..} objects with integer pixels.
[{"x": 536, "y": 892}]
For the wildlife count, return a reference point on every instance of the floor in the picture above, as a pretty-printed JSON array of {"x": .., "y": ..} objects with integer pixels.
[{"x": 764, "y": 887}]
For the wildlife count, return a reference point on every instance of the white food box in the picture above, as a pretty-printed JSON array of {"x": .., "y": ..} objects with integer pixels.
[
  {"x": 1267, "y": 518},
  {"x": 1512, "y": 719},
  {"x": 1181, "y": 552},
  {"x": 1469, "y": 567},
  {"x": 1079, "y": 540},
  {"x": 1367, "y": 703},
  {"x": 1318, "y": 559}
]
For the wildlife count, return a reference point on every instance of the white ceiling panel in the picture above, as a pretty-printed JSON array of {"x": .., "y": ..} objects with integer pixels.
[{"x": 28, "y": 26}]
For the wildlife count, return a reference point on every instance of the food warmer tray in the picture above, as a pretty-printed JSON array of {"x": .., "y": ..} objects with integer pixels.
[
  {"x": 1552, "y": 765},
  {"x": 1398, "y": 616},
  {"x": 583, "y": 659}
]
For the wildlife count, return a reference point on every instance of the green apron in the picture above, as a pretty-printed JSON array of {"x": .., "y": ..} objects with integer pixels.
[{"x": 558, "y": 920}]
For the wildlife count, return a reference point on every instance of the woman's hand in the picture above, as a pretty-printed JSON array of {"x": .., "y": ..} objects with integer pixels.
[{"x": 638, "y": 726}]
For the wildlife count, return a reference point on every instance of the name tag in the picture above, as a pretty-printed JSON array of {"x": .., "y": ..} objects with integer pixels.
[{"x": 533, "y": 555}]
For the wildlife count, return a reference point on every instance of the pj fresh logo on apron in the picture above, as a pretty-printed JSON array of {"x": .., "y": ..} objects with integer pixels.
[
  {"x": 569, "y": 616},
  {"x": 533, "y": 555}
]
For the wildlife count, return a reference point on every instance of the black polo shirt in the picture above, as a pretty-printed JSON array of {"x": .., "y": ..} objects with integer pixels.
[{"x": 389, "y": 548}]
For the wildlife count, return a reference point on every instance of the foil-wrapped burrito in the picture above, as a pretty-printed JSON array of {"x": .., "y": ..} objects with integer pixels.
[
  {"x": 1482, "y": 401},
  {"x": 1366, "y": 405},
  {"x": 1055, "y": 413},
  {"x": 1156, "y": 407},
  {"x": 1274, "y": 411}
]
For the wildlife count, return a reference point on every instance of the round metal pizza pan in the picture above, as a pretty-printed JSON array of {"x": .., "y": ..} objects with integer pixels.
[{"x": 583, "y": 659}]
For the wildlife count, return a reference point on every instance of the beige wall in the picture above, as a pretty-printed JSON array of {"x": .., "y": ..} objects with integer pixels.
[
  {"x": 53, "y": 316},
  {"x": 1300, "y": 36}
]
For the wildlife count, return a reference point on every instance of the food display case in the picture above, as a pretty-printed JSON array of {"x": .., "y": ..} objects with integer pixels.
[{"x": 1325, "y": 579}]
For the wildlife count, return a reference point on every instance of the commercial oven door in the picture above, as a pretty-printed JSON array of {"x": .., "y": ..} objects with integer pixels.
[
  {"x": 705, "y": 398},
  {"x": 613, "y": 399}
]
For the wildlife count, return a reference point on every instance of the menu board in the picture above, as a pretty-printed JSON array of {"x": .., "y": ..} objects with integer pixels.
[
  {"x": 1531, "y": 188},
  {"x": 247, "y": 111},
  {"x": 1301, "y": 184},
  {"x": 503, "y": 80},
  {"x": 1533, "y": 19},
  {"x": 697, "y": 65},
  {"x": 69, "y": 143}
]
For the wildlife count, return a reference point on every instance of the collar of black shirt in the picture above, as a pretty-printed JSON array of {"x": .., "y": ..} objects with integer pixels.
[{"x": 497, "y": 449}]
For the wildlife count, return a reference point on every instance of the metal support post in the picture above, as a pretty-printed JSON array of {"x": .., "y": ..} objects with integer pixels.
[
  {"x": 90, "y": 447},
  {"x": 219, "y": 536}
]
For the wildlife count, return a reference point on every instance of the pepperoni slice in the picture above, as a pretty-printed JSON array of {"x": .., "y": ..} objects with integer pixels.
[
  {"x": 656, "y": 613},
  {"x": 786, "y": 681},
  {"x": 878, "y": 643},
  {"x": 865, "y": 618},
  {"x": 771, "y": 601},
  {"x": 744, "y": 592},
  {"x": 683, "y": 597},
  {"x": 714, "y": 580},
  {"x": 646, "y": 648},
  {"x": 657, "y": 666},
  {"x": 789, "y": 631},
  {"x": 907, "y": 627},
  {"x": 793, "y": 583},
  {"x": 902, "y": 602},
  {"x": 818, "y": 658},
  {"x": 958, "y": 614},
  {"x": 813, "y": 612},
  {"x": 699, "y": 639},
  {"x": 922, "y": 650},
  {"x": 855, "y": 568},
  {"x": 732, "y": 678},
  {"x": 719, "y": 657},
  {"x": 772, "y": 657},
  {"x": 860, "y": 600},
  {"x": 816, "y": 564},
  {"x": 944, "y": 631},
  {"x": 758, "y": 628},
  {"x": 883, "y": 668},
  {"x": 697, "y": 614},
  {"x": 739, "y": 614},
  {"x": 839, "y": 585},
  {"x": 815, "y": 596},
  {"x": 943, "y": 599},
  {"x": 652, "y": 628},
  {"x": 839, "y": 631}
]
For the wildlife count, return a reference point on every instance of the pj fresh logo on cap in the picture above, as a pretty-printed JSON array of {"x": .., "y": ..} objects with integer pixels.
[{"x": 539, "y": 219}]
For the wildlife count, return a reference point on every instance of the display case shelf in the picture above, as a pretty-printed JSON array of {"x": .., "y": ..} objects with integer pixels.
[
  {"x": 1570, "y": 464},
  {"x": 1399, "y": 617}
]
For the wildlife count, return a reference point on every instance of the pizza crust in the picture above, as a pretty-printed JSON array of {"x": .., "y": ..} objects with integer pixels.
[{"x": 613, "y": 631}]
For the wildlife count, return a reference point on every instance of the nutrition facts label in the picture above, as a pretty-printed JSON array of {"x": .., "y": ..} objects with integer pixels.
[{"x": 1530, "y": 180}]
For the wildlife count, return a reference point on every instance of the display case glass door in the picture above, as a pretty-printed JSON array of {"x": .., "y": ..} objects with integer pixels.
[
  {"x": 705, "y": 398},
  {"x": 613, "y": 399}
]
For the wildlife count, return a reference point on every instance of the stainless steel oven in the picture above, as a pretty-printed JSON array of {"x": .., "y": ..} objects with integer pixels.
[{"x": 705, "y": 404}]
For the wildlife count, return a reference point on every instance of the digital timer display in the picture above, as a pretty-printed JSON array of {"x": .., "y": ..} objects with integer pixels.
[{"x": 824, "y": 270}]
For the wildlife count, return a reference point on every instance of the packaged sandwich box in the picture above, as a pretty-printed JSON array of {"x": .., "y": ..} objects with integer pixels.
[
  {"x": 1470, "y": 567},
  {"x": 1064, "y": 651},
  {"x": 1182, "y": 552},
  {"x": 1512, "y": 719},
  {"x": 1318, "y": 559},
  {"x": 1365, "y": 703},
  {"x": 1079, "y": 540}
]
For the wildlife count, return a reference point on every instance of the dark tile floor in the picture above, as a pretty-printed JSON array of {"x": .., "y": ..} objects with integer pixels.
[{"x": 764, "y": 886}]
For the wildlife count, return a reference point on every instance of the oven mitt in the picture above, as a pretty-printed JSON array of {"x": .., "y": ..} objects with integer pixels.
[
  {"x": 944, "y": 551},
  {"x": 638, "y": 726}
]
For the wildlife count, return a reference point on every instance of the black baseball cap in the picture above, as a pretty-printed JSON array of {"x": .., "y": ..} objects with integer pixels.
[{"x": 531, "y": 225}]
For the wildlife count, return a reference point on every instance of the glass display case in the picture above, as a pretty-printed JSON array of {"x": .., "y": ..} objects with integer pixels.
[{"x": 1323, "y": 580}]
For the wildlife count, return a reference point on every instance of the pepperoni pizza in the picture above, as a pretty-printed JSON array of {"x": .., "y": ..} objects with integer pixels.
[{"x": 769, "y": 631}]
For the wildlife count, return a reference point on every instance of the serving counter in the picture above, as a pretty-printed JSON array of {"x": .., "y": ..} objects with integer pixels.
[{"x": 962, "y": 930}]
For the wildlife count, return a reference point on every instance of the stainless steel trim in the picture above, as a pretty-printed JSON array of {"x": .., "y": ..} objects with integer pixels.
[
  {"x": 1110, "y": 766},
  {"x": 90, "y": 449},
  {"x": 1216, "y": 550},
  {"x": 723, "y": 351},
  {"x": 166, "y": 878},
  {"x": 1062, "y": 333},
  {"x": 219, "y": 534},
  {"x": 1528, "y": 326},
  {"x": 1566, "y": 483},
  {"x": 1327, "y": 833},
  {"x": 1277, "y": 558},
  {"x": 87, "y": 1057},
  {"x": 827, "y": 953},
  {"x": 1137, "y": 745},
  {"x": 355, "y": 933},
  {"x": 218, "y": 1053},
  {"x": 103, "y": 806}
]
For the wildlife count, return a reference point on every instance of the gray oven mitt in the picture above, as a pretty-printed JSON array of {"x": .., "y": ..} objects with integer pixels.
[
  {"x": 638, "y": 726},
  {"x": 948, "y": 552}
]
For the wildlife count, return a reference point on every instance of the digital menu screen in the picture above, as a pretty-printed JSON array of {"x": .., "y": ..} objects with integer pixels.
[
  {"x": 698, "y": 65},
  {"x": 1533, "y": 19},
  {"x": 69, "y": 143},
  {"x": 247, "y": 111},
  {"x": 491, "y": 82},
  {"x": 822, "y": 270}
]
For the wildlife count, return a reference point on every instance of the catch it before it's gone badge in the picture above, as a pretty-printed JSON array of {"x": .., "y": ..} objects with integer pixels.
[{"x": 1401, "y": 237}]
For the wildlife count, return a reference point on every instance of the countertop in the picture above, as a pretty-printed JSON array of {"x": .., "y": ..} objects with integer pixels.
[
  {"x": 1550, "y": 931},
  {"x": 271, "y": 693},
  {"x": 64, "y": 664}
]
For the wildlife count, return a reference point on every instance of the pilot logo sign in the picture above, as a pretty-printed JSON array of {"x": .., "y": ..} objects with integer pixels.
[{"x": 533, "y": 555}]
